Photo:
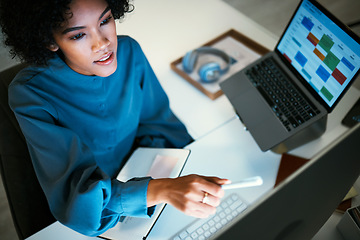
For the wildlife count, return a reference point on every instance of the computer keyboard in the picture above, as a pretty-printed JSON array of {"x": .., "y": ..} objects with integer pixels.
[
  {"x": 202, "y": 229},
  {"x": 286, "y": 100}
]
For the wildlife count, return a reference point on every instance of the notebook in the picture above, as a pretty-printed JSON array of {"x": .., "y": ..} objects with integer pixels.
[
  {"x": 284, "y": 97},
  {"x": 154, "y": 162}
]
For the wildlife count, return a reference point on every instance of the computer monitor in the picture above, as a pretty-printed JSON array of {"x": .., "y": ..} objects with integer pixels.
[{"x": 299, "y": 206}]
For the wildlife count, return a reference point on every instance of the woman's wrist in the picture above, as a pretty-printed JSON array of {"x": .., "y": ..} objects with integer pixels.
[{"x": 158, "y": 190}]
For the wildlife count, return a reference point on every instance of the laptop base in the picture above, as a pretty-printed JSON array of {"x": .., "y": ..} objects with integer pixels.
[{"x": 302, "y": 137}]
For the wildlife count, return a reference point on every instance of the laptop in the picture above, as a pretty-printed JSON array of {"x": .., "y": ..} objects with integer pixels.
[
  {"x": 300, "y": 205},
  {"x": 284, "y": 97}
]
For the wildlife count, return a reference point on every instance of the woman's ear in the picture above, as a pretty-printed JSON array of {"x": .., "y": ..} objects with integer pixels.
[{"x": 53, "y": 47}]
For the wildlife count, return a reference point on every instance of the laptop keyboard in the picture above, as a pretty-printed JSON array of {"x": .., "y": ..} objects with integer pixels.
[
  {"x": 202, "y": 229},
  {"x": 290, "y": 106}
]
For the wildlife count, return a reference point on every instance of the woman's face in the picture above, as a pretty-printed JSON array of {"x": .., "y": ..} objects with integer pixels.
[{"x": 88, "y": 38}]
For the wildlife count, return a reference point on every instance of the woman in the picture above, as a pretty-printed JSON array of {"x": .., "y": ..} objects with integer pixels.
[{"x": 86, "y": 101}]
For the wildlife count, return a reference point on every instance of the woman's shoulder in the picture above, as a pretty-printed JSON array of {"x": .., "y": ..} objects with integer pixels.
[
  {"x": 126, "y": 39},
  {"x": 36, "y": 74},
  {"x": 127, "y": 42},
  {"x": 27, "y": 74},
  {"x": 26, "y": 89}
]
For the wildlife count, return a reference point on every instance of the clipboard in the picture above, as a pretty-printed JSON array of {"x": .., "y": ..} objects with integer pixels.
[
  {"x": 154, "y": 162},
  {"x": 242, "y": 51}
]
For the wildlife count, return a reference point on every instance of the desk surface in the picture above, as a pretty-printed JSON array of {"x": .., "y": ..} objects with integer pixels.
[
  {"x": 225, "y": 154},
  {"x": 166, "y": 30}
]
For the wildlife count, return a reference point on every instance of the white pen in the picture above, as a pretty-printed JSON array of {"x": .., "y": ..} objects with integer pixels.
[{"x": 248, "y": 182}]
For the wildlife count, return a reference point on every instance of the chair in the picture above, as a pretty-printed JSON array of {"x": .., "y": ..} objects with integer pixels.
[{"x": 28, "y": 205}]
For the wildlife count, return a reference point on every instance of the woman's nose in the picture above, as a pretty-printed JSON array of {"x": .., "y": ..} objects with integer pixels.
[{"x": 100, "y": 43}]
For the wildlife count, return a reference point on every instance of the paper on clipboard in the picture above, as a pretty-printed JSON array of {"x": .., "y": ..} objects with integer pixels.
[
  {"x": 154, "y": 162},
  {"x": 162, "y": 166}
]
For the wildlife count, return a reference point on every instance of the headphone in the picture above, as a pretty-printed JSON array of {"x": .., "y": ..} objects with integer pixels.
[{"x": 209, "y": 72}]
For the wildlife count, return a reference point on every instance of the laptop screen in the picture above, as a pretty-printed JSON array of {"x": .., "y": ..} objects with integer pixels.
[{"x": 318, "y": 48}]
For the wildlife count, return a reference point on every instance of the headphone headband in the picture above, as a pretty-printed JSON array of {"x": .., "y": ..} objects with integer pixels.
[{"x": 209, "y": 72}]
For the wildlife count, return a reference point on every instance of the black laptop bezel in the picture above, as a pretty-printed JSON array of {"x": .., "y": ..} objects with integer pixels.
[{"x": 303, "y": 81}]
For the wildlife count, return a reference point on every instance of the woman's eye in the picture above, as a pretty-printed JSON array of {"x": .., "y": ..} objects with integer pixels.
[
  {"x": 77, "y": 36},
  {"x": 107, "y": 20}
]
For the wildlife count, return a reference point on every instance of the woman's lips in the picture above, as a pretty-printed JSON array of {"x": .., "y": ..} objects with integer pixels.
[{"x": 106, "y": 59}]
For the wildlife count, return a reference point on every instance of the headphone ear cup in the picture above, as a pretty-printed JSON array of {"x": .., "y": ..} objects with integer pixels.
[
  {"x": 189, "y": 61},
  {"x": 210, "y": 72}
]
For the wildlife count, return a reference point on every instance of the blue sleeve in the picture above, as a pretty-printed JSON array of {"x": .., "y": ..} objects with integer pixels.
[
  {"x": 159, "y": 127},
  {"x": 79, "y": 193}
]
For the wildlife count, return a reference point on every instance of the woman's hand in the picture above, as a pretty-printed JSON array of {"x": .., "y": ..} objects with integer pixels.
[{"x": 188, "y": 193}]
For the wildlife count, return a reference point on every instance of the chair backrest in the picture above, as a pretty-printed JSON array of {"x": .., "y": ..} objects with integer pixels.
[{"x": 28, "y": 205}]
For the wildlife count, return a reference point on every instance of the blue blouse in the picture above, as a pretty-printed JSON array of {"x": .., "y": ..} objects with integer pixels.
[{"x": 80, "y": 130}]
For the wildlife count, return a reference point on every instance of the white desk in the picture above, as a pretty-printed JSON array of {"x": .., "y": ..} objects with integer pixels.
[
  {"x": 225, "y": 154},
  {"x": 166, "y": 30}
]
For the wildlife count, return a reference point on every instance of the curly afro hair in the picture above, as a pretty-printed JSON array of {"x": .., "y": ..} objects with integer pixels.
[{"x": 28, "y": 25}]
